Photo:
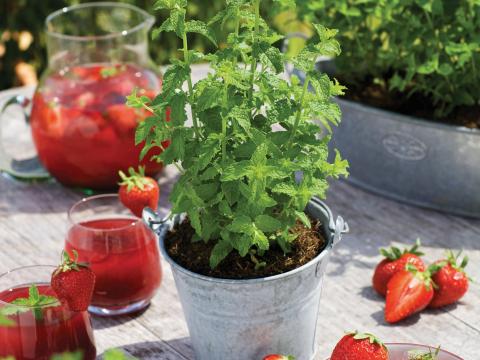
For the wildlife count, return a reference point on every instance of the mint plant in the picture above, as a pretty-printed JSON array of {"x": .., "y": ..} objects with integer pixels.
[
  {"x": 429, "y": 48},
  {"x": 238, "y": 180}
]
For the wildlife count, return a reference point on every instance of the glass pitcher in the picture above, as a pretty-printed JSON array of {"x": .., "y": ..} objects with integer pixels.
[{"x": 82, "y": 130}]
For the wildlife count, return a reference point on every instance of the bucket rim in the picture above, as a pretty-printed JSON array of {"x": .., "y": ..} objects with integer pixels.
[{"x": 329, "y": 232}]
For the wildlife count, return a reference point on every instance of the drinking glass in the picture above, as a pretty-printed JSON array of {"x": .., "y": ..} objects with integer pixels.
[
  {"x": 42, "y": 331},
  {"x": 120, "y": 249},
  {"x": 83, "y": 131}
]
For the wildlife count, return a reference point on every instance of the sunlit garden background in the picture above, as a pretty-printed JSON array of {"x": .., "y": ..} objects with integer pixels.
[{"x": 22, "y": 38}]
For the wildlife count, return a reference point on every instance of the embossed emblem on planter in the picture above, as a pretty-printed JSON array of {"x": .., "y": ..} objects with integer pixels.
[{"x": 405, "y": 146}]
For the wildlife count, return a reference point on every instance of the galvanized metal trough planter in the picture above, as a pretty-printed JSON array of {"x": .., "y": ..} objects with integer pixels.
[
  {"x": 409, "y": 159},
  {"x": 248, "y": 319},
  {"x": 413, "y": 160}
]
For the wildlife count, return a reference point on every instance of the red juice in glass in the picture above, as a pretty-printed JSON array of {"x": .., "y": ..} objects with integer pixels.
[
  {"x": 83, "y": 130},
  {"x": 38, "y": 333},
  {"x": 120, "y": 249}
]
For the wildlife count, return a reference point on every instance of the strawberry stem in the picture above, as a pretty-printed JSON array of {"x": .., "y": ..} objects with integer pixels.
[
  {"x": 394, "y": 253},
  {"x": 424, "y": 276},
  {"x": 135, "y": 179},
  {"x": 68, "y": 263},
  {"x": 362, "y": 336}
]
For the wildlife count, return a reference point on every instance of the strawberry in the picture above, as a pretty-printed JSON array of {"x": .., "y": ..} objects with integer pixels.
[
  {"x": 408, "y": 292},
  {"x": 395, "y": 261},
  {"x": 73, "y": 283},
  {"x": 450, "y": 279},
  {"x": 358, "y": 346},
  {"x": 278, "y": 357},
  {"x": 138, "y": 191}
]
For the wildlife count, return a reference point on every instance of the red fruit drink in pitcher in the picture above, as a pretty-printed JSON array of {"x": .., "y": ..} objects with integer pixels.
[{"x": 83, "y": 130}]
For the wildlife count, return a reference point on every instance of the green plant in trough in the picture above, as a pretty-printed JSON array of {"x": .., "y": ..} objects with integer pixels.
[
  {"x": 238, "y": 180},
  {"x": 425, "y": 48}
]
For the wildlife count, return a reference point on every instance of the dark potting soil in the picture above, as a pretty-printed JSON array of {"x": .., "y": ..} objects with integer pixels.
[
  {"x": 195, "y": 256},
  {"x": 415, "y": 105}
]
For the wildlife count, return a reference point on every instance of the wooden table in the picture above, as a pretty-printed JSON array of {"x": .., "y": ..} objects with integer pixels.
[{"x": 33, "y": 224}]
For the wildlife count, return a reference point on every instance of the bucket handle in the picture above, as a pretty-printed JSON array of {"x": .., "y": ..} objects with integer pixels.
[
  {"x": 152, "y": 219},
  {"x": 341, "y": 228}
]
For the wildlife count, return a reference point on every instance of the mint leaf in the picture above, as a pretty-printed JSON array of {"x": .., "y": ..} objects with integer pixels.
[
  {"x": 115, "y": 354},
  {"x": 303, "y": 218},
  {"x": 260, "y": 239},
  {"x": 241, "y": 115},
  {"x": 220, "y": 251},
  {"x": 34, "y": 295},
  {"x": 77, "y": 355},
  {"x": 107, "y": 72},
  {"x": 267, "y": 223},
  {"x": 209, "y": 98},
  {"x": 199, "y": 27},
  {"x": 241, "y": 224},
  {"x": 4, "y": 320},
  {"x": 235, "y": 171},
  {"x": 169, "y": 4}
]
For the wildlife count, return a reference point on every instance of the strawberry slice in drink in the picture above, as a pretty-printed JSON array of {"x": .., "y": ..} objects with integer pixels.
[
  {"x": 51, "y": 123},
  {"x": 123, "y": 118},
  {"x": 82, "y": 123}
]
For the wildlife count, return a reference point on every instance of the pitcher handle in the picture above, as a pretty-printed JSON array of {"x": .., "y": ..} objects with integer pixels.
[{"x": 27, "y": 169}]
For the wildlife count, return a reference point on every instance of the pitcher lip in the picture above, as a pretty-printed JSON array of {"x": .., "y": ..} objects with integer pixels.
[
  {"x": 148, "y": 21},
  {"x": 313, "y": 262}
]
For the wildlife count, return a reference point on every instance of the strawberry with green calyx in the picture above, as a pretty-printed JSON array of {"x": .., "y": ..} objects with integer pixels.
[
  {"x": 359, "y": 346},
  {"x": 395, "y": 261},
  {"x": 408, "y": 292},
  {"x": 73, "y": 282},
  {"x": 138, "y": 191},
  {"x": 278, "y": 357},
  {"x": 422, "y": 355},
  {"x": 451, "y": 280},
  {"x": 35, "y": 303}
]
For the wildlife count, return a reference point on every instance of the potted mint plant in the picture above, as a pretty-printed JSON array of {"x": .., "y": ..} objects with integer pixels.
[
  {"x": 248, "y": 239},
  {"x": 411, "y": 115}
]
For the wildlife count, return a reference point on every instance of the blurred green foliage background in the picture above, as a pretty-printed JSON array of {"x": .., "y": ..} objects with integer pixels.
[{"x": 22, "y": 24}]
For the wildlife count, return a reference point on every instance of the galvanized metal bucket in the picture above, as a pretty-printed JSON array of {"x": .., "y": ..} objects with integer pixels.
[{"x": 248, "y": 319}]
